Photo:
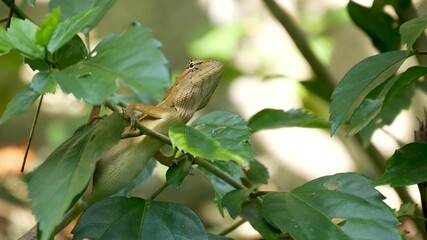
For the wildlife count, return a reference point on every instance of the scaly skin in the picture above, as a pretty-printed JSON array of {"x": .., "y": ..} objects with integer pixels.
[{"x": 191, "y": 92}]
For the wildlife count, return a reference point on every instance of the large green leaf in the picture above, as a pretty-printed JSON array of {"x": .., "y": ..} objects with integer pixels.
[
  {"x": 412, "y": 30},
  {"x": 342, "y": 206},
  {"x": 370, "y": 106},
  {"x": 72, "y": 8},
  {"x": 407, "y": 166},
  {"x": 359, "y": 81},
  {"x": 405, "y": 79},
  {"x": 257, "y": 173},
  {"x": 274, "y": 118},
  {"x": 66, "y": 30},
  {"x": 133, "y": 57},
  {"x": 22, "y": 36},
  {"x": 389, "y": 112},
  {"x": 221, "y": 188},
  {"x": 135, "y": 218},
  {"x": 43, "y": 83},
  {"x": 20, "y": 103},
  {"x": 5, "y": 45},
  {"x": 177, "y": 172},
  {"x": 70, "y": 53},
  {"x": 234, "y": 200},
  {"x": 378, "y": 25},
  {"x": 379, "y": 109},
  {"x": 253, "y": 213},
  {"x": 364, "y": 114},
  {"x": 215, "y": 136},
  {"x": 66, "y": 172}
]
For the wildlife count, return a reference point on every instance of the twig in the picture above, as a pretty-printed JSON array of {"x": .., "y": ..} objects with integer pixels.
[
  {"x": 232, "y": 227},
  {"x": 301, "y": 42},
  {"x": 30, "y": 138},
  {"x": 156, "y": 193},
  {"x": 217, "y": 172},
  {"x": 17, "y": 11},
  {"x": 142, "y": 128},
  {"x": 9, "y": 16}
]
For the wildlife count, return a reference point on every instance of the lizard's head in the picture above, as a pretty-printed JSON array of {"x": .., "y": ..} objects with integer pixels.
[{"x": 194, "y": 87}]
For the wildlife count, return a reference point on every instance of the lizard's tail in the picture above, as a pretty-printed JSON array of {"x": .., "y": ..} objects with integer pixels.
[{"x": 68, "y": 217}]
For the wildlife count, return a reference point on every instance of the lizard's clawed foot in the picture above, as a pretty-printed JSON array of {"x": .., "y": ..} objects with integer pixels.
[{"x": 133, "y": 115}]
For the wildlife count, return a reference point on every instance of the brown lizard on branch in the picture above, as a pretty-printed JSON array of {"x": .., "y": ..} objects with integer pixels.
[{"x": 191, "y": 92}]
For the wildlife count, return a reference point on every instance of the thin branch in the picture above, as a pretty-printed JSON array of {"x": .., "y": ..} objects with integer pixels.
[
  {"x": 301, "y": 42},
  {"x": 219, "y": 173},
  {"x": 258, "y": 194},
  {"x": 232, "y": 227},
  {"x": 156, "y": 193},
  {"x": 131, "y": 135},
  {"x": 30, "y": 138},
  {"x": 142, "y": 128},
  {"x": 17, "y": 11},
  {"x": 9, "y": 16}
]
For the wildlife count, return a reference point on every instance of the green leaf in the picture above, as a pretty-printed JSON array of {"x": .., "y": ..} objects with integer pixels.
[
  {"x": 359, "y": 81},
  {"x": 364, "y": 114},
  {"x": 342, "y": 206},
  {"x": 406, "y": 166},
  {"x": 221, "y": 188},
  {"x": 273, "y": 118},
  {"x": 405, "y": 79},
  {"x": 214, "y": 136},
  {"x": 37, "y": 64},
  {"x": 372, "y": 105},
  {"x": 133, "y": 57},
  {"x": 67, "y": 171},
  {"x": 257, "y": 173},
  {"x": 378, "y": 25},
  {"x": 43, "y": 83},
  {"x": 32, "y": 3},
  {"x": 22, "y": 36},
  {"x": 48, "y": 26},
  {"x": 5, "y": 45},
  {"x": 412, "y": 30},
  {"x": 70, "y": 53},
  {"x": 20, "y": 103},
  {"x": 72, "y": 8},
  {"x": 135, "y": 218},
  {"x": 406, "y": 210},
  {"x": 253, "y": 213},
  {"x": 389, "y": 112},
  {"x": 177, "y": 172},
  {"x": 234, "y": 200},
  {"x": 374, "y": 102},
  {"x": 66, "y": 30}
]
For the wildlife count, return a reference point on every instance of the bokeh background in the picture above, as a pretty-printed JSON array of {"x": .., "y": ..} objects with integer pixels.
[{"x": 264, "y": 69}]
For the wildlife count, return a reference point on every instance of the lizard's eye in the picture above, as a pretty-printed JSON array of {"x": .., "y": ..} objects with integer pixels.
[{"x": 192, "y": 65}]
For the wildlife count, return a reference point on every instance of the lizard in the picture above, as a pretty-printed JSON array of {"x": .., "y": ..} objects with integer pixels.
[{"x": 190, "y": 92}]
